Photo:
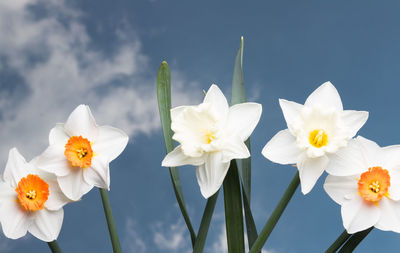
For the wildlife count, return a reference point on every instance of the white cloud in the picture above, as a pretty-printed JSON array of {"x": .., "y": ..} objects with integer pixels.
[
  {"x": 53, "y": 55},
  {"x": 133, "y": 241},
  {"x": 173, "y": 237}
]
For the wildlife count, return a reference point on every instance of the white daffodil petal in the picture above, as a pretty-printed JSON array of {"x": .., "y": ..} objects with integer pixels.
[
  {"x": 215, "y": 96},
  {"x": 54, "y": 161},
  {"x": 46, "y": 224},
  {"x": 326, "y": 96},
  {"x": 14, "y": 221},
  {"x": 282, "y": 148},
  {"x": 7, "y": 193},
  {"x": 210, "y": 175},
  {"x": 176, "y": 111},
  {"x": 291, "y": 112},
  {"x": 390, "y": 215},
  {"x": 98, "y": 174},
  {"x": 110, "y": 142},
  {"x": 73, "y": 185},
  {"x": 354, "y": 120},
  {"x": 177, "y": 158},
  {"x": 358, "y": 215},
  {"x": 341, "y": 189},
  {"x": 370, "y": 150},
  {"x": 58, "y": 135},
  {"x": 235, "y": 149},
  {"x": 347, "y": 161},
  {"x": 81, "y": 123},
  {"x": 310, "y": 170},
  {"x": 56, "y": 199},
  {"x": 243, "y": 118},
  {"x": 390, "y": 157},
  {"x": 16, "y": 168},
  {"x": 394, "y": 189}
]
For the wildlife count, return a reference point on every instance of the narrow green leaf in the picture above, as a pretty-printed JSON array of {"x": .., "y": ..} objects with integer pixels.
[
  {"x": 239, "y": 96},
  {"x": 244, "y": 165},
  {"x": 238, "y": 90},
  {"x": 205, "y": 223},
  {"x": 250, "y": 224},
  {"x": 276, "y": 214},
  {"x": 164, "y": 106},
  {"x": 233, "y": 210},
  {"x": 164, "y": 103},
  {"x": 339, "y": 242},
  {"x": 354, "y": 240}
]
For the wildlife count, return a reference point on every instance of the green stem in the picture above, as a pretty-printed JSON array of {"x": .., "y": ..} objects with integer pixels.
[
  {"x": 205, "y": 223},
  {"x": 53, "y": 245},
  {"x": 276, "y": 214},
  {"x": 110, "y": 221},
  {"x": 355, "y": 239},
  {"x": 339, "y": 242}
]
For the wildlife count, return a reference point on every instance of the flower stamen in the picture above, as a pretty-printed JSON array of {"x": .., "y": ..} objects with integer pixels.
[
  {"x": 209, "y": 136},
  {"x": 318, "y": 138},
  {"x": 31, "y": 194},
  {"x": 78, "y": 151}
]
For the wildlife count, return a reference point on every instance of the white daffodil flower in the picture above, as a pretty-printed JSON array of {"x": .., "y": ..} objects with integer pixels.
[
  {"x": 211, "y": 134},
  {"x": 365, "y": 181},
  {"x": 30, "y": 200},
  {"x": 316, "y": 130},
  {"x": 80, "y": 152}
]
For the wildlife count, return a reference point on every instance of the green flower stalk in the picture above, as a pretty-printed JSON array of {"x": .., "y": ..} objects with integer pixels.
[
  {"x": 339, "y": 242},
  {"x": 110, "y": 221},
  {"x": 276, "y": 214},
  {"x": 53, "y": 245}
]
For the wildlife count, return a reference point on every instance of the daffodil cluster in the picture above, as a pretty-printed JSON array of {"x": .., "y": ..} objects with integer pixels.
[
  {"x": 363, "y": 177},
  {"x": 32, "y": 194}
]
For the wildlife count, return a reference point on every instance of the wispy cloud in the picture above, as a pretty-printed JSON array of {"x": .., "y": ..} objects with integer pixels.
[
  {"x": 132, "y": 240},
  {"x": 54, "y": 66},
  {"x": 171, "y": 237}
]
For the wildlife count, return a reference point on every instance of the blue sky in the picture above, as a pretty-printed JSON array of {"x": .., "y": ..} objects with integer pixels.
[{"x": 55, "y": 55}]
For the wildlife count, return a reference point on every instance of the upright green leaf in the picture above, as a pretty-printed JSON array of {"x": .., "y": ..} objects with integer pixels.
[
  {"x": 244, "y": 165},
  {"x": 205, "y": 223},
  {"x": 238, "y": 90},
  {"x": 250, "y": 224},
  {"x": 233, "y": 210},
  {"x": 164, "y": 107},
  {"x": 239, "y": 96}
]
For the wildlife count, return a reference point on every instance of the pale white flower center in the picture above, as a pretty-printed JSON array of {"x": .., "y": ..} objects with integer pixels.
[
  {"x": 199, "y": 130},
  {"x": 319, "y": 130}
]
